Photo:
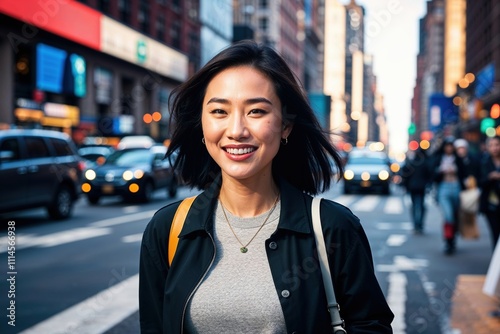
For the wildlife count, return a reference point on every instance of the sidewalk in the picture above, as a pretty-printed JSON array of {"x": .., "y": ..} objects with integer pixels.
[{"x": 471, "y": 307}]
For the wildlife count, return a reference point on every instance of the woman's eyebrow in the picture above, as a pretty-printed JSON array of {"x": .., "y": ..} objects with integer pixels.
[{"x": 248, "y": 101}]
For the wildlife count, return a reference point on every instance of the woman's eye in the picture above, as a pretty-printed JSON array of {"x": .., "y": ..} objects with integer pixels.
[
  {"x": 218, "y": 111},
  {"x": 257, "y": 111}
]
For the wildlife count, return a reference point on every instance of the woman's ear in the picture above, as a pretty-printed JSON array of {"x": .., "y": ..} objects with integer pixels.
[{"x": 286, "y": 129}]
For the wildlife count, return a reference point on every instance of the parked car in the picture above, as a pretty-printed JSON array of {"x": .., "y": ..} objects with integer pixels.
[
  {"x": 132, "y": 173},
  {"x": 39, "y": 168},
  {"x": 136, "y": 141},
  {"x": 95, "y": 154},
  {"x": 367, "y": 170}
]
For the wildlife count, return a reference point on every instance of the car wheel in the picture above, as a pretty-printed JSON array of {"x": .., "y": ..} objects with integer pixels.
[
  {"x": 93, "y": 199},
  {"x": 62, "y": 204},
  {"x": 172, "y": 188},
  {"x": 147, "y": 192}
]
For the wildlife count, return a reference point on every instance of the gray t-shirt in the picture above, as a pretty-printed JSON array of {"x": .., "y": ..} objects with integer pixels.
[{"x": 238, "y": 294}]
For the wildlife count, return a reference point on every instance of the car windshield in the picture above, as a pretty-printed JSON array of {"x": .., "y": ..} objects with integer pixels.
[
  {"x": 129, "y": 157},
  {"x": 367, "y": 160}
]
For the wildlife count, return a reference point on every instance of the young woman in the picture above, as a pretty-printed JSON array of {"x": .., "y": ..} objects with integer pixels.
[
  {"x": 449, "y": 176},
  {"x": 490, "y": 187},
  {"x": 246, "y": 259}
]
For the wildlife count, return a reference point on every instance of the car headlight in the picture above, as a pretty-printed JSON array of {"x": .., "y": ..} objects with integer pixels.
[
  {"x": 90, "y": 174},
  {"x": 138, "y": 174},
  {"x": 128, "y": 175},
  {"x": 383, "y": 175},
  {"x": 365, "y": 176},
  {"x": 348, "y": 174}
]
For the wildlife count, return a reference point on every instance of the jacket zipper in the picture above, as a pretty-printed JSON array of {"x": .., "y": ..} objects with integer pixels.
[{"x": 199, "y": 283}]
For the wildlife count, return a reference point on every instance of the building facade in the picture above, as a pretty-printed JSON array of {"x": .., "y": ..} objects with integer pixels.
[
  {"x": 483, "y": 59},
  {"x": 95, "y": 67}
]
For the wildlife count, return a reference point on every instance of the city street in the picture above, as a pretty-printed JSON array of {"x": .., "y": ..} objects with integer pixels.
[{"x": 81, "y": 275}]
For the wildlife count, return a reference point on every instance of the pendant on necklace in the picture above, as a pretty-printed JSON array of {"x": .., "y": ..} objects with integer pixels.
[{"x": 244, "y": 249}]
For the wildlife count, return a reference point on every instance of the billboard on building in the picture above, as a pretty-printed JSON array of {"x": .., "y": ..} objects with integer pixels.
[
  {"x": 60, "y": 72},
  {"x": 442, "y": 112}
]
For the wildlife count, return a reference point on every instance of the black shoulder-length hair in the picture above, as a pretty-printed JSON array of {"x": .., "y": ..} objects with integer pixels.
[{"x": 309, "y": 159}]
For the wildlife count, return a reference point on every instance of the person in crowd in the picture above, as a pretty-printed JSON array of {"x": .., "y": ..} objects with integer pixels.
[
  {"x": 416, "y": 175},
  {"x": 449, "y": 173},
  {"x": 245, "y": 263},
  {"x": 471, "y": 162},
  {"x": 490, "y": 187}
]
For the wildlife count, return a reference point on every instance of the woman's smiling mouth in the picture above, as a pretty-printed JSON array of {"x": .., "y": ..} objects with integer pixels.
[{"x": 239, "y": 151}]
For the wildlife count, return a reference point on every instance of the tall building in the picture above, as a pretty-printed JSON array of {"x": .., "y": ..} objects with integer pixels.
[
  {"x": 314, "y": 11},
  {"x": 335, "y": 68},
  {"x": 483, "y": 53},
  {"x": 454, "y": 45},
  {"x": 279, "y": 24},
  {"x": 440, "y": 67},
  {"x": 93, "y": 67},
  {"x": 348, "y": 75},
  {"x": 430, "y": 63},
  {"x": 354, "y": 87},
  {"x": 215, "y": 34}
]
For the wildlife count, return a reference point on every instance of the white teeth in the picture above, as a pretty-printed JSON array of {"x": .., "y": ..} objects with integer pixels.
[{"x": 240, "y": 150}]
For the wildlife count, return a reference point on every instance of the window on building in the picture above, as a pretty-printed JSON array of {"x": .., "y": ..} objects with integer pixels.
[
  {"x": 160, "y": 27},
  {"x": 143, "y": 15},
  {"x": 263, "y": 23},
  {"x": 175, "y": 33},
  {"x": 124, "y": 10},
  {"x": 103, "y": 6},
  {"x": 263, "y": 4},
  {"x": 176, "y": 4}
]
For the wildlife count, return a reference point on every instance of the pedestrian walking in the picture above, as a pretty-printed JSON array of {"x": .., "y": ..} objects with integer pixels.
[
  {"x": 469, "y": 198},
  {"x": 490, "y": 187},
  {"x": 449, "y": 173},
  {"x": 416, "y": 175},
  {"x": 245, "y": 261},
  {"x": 471, "y": 162}
]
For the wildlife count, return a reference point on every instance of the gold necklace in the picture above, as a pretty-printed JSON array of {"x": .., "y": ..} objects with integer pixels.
[{"x": 243, "y": 247}]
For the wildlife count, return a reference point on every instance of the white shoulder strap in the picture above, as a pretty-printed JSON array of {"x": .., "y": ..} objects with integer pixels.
[{"x": 333, "y": 307}]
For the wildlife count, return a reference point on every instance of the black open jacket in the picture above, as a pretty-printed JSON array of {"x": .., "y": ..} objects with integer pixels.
[{"x": 164, "y": 292}]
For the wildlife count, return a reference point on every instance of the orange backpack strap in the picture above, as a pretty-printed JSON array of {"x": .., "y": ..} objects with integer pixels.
[{"x": 177, "y": 223}]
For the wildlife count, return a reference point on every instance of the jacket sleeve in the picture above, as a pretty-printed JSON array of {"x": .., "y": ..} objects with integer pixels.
[
  {"x": 153, "y": 271},
  {"x": 362, "y": 303}
]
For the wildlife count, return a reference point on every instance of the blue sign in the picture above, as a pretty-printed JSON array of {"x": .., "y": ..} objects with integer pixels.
[
  {"x": 442, "y": 111},
  {"x": 59, "y": 72},
  {"x": 485, "y": 80},
  {"x": 50, "y": 68},
  {"x": 320, "y": 104}
]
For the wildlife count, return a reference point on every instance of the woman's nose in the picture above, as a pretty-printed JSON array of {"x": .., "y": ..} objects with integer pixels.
[{"x": 237, "y": 127}]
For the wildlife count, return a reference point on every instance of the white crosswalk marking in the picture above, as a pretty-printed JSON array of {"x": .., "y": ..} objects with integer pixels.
[
  {"x": 58, "y": 238},
  {"x": 96, "y": 314},
  {"x": 396, "y": 240},
  {"x": 132, "y": 238},
  {"x": 366, "y": 204},
  {"x": 393, "y": 205},
  {"x": 345, "y": 200}
]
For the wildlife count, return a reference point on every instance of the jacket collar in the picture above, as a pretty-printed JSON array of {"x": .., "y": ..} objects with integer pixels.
[{"x": 293, "y": 215}]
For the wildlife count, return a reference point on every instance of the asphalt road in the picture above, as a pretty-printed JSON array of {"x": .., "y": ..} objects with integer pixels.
[{"x": 80, "y": 275}]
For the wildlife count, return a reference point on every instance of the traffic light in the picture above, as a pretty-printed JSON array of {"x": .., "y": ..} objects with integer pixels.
[
  {"x": 412, "y": 129},
  {"x": 487, "y": 123}
]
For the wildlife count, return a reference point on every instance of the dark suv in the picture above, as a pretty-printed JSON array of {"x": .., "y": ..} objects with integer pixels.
[{"x": 39, "y": 168}]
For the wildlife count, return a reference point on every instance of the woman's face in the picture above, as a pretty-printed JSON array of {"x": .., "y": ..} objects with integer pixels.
[
  {"x": 449, "y": 149},
  {"x": 494, "y": 147},
  {"x": 242, "y": 122}
]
